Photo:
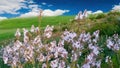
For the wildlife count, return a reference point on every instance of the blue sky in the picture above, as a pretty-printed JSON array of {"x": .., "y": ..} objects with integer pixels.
[
  {"x": 26, "y": 8},
  {"x": 76, "y": 5}
]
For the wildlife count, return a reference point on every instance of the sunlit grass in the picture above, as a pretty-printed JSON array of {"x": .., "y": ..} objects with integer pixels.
[{"x": 8, "y": 27}]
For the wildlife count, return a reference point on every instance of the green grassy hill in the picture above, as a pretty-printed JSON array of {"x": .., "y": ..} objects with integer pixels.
[
  {"x": 9, "y": 26},
  {"x": 107, "y": 23}
]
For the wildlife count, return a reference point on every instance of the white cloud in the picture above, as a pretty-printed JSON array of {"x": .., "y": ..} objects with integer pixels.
[
  {"x": 89, "y": 12},
  {"x": 33, "y": 6},
  {"x": 11, "y": 6},
  {"x": 46, "y": 12},
  {"x": 46, "y": 4},
  {"x": 2, "y": 18},
  {"x": 43, "y": 3},
  {"x": 30, "y": 2},
  {"x": 98, "y": 11},
  {"x": 29, "y": 14},
  {"x": 50, "y": 5},
  {"x": 34, "y": 11},
  {"x": 57, "y": 12},
  {"x": 116, "y": 8}
]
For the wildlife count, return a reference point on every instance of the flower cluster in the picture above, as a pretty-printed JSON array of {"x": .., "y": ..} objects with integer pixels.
[
  {"x": 81, "y": 15},
  {"x": 78, "y": 44},
  {"x": 63, "y": 53},
  {"x": 90, "y": 60},
  {"x": 113, "y": 42},
  {"x": 48, "y": 31},
  {"x": 23, "y": 52}
]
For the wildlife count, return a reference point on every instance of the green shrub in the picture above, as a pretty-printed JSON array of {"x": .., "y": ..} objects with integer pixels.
[
  {"x": 106, "y": 28},
  {"x": 65, "y": 27},
  {"x": 92, "y": 17},
  {"x": 101, "y": 15},
  {"x": 114, "y": 13},
  {"x": 97, "y": 16}
]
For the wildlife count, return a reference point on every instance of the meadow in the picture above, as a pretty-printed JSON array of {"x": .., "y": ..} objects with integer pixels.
[
  {"x": 108, "y": 24},
  {"x": 8, "y": 27}
]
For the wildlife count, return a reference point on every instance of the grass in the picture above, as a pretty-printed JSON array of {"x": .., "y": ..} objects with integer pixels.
[{"x": 9, "y": 26}]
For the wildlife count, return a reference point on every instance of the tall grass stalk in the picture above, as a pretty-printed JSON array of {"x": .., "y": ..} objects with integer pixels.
[{"x": 40, "y": 18}]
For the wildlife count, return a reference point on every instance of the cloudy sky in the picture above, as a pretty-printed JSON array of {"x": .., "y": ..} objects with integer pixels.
[{"x": 27, "y": 8}]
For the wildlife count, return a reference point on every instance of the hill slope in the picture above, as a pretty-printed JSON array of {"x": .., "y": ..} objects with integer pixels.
[
  {"x": 8, "y": 27},
  {"x": 108, "y": 24}
]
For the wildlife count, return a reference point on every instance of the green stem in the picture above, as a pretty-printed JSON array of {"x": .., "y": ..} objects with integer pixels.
[{"x": 118, "y": 59}]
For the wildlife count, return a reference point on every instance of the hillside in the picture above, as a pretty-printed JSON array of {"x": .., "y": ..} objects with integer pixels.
[
  {"x": 107, "y": 23},
  {"x": 9, "y": 26}
]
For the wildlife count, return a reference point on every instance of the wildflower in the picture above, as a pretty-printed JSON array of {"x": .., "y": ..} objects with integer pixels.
[
  {"x": 37, "y": 40},
  {"x": 18, "y": 34},
  {"x": 61, "y": 43},
  {"x": 15, "y": 60},
  {"x": 96, "y": 35},
  {"x": 116, "y": 47},
  {"x": 85, "y": 14},
  {"x": 95, "y": 50},
  {"x": 49, "y": 56},
  {"x": 115, "y": 36},
  {"x": 56, "y": 54},
  {"x": 61, "y": 64},
  {"x": 90, "y": 57},
  {"x": 48, "y": 31},
  {"x": 81, "y": 36},
  {"x": 54, "y": 63},
  {"x": 77, "y": 45},
  {"x": 17, "y": 45},
  {"x": 85, "y": 37},
  {"x": 62, "y": 52},
  {"x": 81, "y": 15},
  {"x": 37, "y": 30},
  {"x": 109, "y": 43},
  {"x": 44, "y": 65},
  {"x": 68, "y": 36},
  {"x": 90, "y": 46},
  {"x": 108, "y": 59},
  {"x": 5, "y": 59},
  {"x": 66, "y": 32},
  {"x": 41, "y": 58},
  {"x": 87, "y": 65},
  {"x": 53, "y": 44},
  {"x": 98, "y": 64},
  {"x": 32, "y": 28},
  {"x": 28, "y": 54},
  {"x": 74, "y": 57},
  {"x": 26, "y": 38},
  {"x": 8, "y": 49}
]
